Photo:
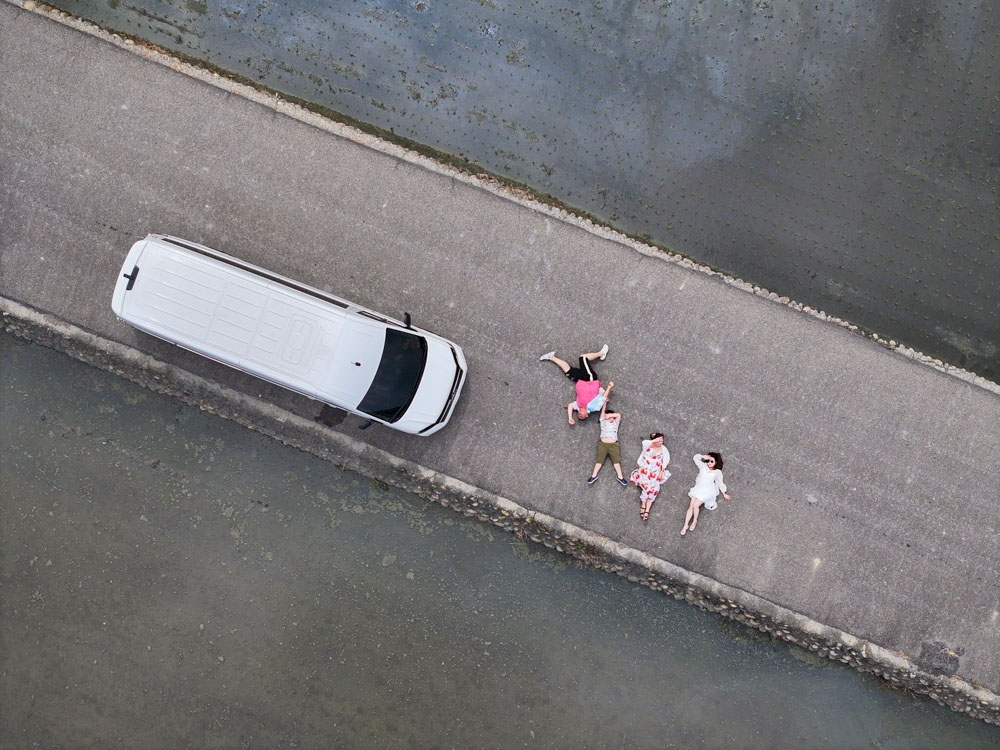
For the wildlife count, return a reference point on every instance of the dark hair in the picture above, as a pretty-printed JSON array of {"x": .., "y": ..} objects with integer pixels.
[
  {"x": 717, "y": 457},
  {"x": 610, "y": 411},
  {"x": 654, "y": 435}
]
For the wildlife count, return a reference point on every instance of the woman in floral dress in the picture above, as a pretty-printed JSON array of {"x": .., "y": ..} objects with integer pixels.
[{"x": 651, "y": 471}]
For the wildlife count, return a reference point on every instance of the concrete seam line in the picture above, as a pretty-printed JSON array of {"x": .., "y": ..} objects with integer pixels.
[
  {"x": 105, "y": 354},
  {"x": 148, "y": 51}
]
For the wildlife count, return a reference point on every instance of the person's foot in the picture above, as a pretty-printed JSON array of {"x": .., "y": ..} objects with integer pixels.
[
  {"x": 684, "y": 531},
  {"x": 546, "y": 357},
  {"x": 604, "y": 352},
  {"x": 692, "y": 527},
  {"x": 622, "y": 482},
  {"x": 591, "y": 480}
]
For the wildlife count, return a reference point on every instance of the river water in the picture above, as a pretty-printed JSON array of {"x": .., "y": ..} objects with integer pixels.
[
  {"x": 844, "y": 153},
  {"x": 171, "y": 579}
]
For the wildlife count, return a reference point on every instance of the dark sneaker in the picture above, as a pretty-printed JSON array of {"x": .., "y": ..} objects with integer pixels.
[
  {"x": 591, "y": 480},
  {"x": 622, "y": 482}
]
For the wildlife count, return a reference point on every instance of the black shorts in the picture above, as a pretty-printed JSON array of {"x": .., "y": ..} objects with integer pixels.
[{"x": 583, "y": 372}]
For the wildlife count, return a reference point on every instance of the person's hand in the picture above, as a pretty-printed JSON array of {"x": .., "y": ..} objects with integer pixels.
[
  {"x": 725, "y": 495},
  {"x": 611, "y": 384},
  {"x": 571, "y": 421}
]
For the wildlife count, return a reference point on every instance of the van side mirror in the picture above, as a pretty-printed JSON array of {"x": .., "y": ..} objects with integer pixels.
[{"x": 406, "y": 320}]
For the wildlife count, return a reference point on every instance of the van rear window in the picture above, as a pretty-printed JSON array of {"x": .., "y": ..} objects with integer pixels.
[{"x": 397, "y": 377}]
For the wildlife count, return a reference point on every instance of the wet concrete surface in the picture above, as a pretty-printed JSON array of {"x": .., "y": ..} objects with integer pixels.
[
  {"x": 843, "y": 154},
  {"x": 171, "y": 579}
]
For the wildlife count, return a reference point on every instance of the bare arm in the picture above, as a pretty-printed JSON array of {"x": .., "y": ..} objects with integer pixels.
[
  {"x": 721, "y": 484},
  {"x": 569, "y": 411}
]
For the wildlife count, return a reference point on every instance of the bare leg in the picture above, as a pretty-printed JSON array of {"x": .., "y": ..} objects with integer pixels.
[
  {"x": 562, "y": 364},
  {"x": 597, "y": 469},
  {"x": 592, "y": 356},
  {"x": 692, "y": 511},
  {"x": 618, "y": 471},
  {"x": 648, "y": 498},
  {"x": 696, "y": 510}
]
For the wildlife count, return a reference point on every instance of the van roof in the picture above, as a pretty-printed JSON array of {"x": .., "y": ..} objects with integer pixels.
[{"x": 288, "y": 333}]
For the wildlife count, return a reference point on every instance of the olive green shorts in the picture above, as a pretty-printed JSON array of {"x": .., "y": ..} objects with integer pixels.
[{"x": 604, "y": 450}]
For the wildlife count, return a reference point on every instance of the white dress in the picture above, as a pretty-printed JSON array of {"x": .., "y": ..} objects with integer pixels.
[{"x": 708, "y": 485}]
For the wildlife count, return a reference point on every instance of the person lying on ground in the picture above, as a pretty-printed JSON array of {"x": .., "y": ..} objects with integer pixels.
[
  {"x": 608, "y": 446},
  {"x": 589, "y": 396},
  {"x": 706, "y": 488},
  {"x": 651, "y": 472}
]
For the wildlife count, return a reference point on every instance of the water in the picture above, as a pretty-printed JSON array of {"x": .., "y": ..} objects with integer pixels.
[
  {"x": 171, "y": 579},
  {"x": 845, "y": 154}
]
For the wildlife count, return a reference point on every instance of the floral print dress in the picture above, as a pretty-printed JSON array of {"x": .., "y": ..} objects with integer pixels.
[{"x": 652, "y": 471}]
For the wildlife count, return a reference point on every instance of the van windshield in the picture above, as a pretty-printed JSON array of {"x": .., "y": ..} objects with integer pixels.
[{"x": 397, "y": 377}]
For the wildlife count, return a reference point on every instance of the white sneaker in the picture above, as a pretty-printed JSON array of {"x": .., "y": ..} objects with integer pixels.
[
  {"x": 604, "y": 352},
  {"x": 546, "y": 357}
]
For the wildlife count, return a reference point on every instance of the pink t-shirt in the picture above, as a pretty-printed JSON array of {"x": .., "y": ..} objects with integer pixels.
[{"x": 587, "y": 391}]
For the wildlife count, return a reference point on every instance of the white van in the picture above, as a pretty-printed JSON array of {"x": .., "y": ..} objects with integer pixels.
[{"x": 289, "y": 333}]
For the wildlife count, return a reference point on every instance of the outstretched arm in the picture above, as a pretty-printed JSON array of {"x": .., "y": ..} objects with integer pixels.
[
  {"x": 721, "y": 484},
  {"x": 569, "y": 411}
]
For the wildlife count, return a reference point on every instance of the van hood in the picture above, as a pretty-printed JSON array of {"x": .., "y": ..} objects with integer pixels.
[{"x": 435, "y": 387}]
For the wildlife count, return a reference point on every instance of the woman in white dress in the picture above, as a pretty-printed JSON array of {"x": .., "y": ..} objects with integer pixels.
[{"x": 706, "y": 488}]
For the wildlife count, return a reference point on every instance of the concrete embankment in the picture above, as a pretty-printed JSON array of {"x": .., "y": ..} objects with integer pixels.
[
  {"x": 864, "y": 498},
  {"x": 591, "y": 548}
]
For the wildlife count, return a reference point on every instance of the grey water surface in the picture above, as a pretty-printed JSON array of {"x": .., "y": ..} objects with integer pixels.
[
  {"x": 171, "y": 579},
  {"x": 845, "y": 154}
]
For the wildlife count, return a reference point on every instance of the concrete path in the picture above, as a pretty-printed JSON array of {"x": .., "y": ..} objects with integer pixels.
[{"x": 865, "y": 485}]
